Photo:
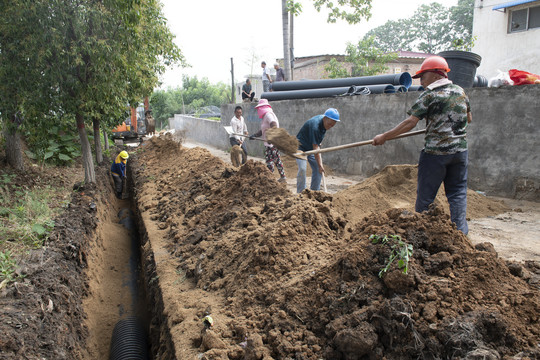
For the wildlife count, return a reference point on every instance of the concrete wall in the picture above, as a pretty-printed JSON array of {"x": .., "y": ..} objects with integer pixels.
[
  {"x": 499, "y": 49},
  {"x": 504, "y": 136}
]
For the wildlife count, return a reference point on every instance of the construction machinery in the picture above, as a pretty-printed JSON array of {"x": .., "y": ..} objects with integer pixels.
[{"x": 133, "y": 128}]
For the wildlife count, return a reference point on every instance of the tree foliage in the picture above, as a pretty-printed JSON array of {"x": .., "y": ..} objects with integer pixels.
[
  {"x": 188, "y": 99},
  {"x": 352, "y": 11},
  {"x": 432, "y": 28},
  {"x": 87, "y": 60},
  {"x": 366, "y": 60}
]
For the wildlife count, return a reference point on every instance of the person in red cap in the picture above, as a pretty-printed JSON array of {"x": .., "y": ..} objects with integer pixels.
[
  {"x": 444, "y": 158},
  {"x": 271, "y": 154}
]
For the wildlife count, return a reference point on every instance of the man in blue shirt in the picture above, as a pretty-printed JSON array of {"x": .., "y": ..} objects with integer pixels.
[
  {"x": 309, "y": 138},
  {"x": 118, "y": 172}
]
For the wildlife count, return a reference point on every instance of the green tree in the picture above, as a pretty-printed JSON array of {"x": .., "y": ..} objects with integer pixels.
[
  {"x": 193, "y": 95},
  {"x": 352, "y": 11},
  {"x": 431, "y": 29},
  {"x": 94, "y": 57},
  {"x": 366, "y": 60},
  {"x": 24, "y": 87},
  {"x": 392, "y": 36},
  {"x": 336, "y": 70}
]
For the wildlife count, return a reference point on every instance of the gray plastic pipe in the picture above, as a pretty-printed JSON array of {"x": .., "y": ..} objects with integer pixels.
[
  {"x": 307, "y": 94},
  {"x": 394, "y": 79}
]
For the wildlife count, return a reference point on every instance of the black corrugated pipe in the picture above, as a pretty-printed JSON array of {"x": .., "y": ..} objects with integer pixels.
[
  {"x": 307, "y": 94},
  {"x": 416, "y": 88},
  {"x": 394, "y": 79},
  {"x": 480, "y": 81},
  {"x": 128, "y": 340}
]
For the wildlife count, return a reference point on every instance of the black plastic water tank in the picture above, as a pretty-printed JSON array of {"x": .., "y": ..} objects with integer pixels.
[{"x": 462, "y": 65}]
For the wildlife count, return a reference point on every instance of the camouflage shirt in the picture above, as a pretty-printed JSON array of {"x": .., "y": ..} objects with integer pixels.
[{"x": 445, "y": 109}]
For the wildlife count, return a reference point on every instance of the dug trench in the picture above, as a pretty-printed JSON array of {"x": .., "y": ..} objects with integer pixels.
[{"x": 282, "y": 276}]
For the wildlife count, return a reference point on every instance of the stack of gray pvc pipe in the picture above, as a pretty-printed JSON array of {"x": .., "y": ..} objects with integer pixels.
[{"x": 306, "y": 89}]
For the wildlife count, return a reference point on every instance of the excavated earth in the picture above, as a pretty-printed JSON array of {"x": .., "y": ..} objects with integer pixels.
[
  {"x": 297, "y": 277},
  {"x": 283, "y": 276}
]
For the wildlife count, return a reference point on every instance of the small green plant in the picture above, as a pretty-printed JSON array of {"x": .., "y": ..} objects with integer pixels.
[
  {"x": 8, "y": 266},
  {"x": 400, "y": 250}
]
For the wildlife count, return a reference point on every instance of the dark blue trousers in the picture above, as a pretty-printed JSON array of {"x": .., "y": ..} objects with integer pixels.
[{"x": 450, "y": 170}]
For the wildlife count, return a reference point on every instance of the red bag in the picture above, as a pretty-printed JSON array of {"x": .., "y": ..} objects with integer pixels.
[{"x": 522, "y": 77}]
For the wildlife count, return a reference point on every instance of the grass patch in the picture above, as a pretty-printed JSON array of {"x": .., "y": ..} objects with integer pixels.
[{"x": 26, "y": 215}]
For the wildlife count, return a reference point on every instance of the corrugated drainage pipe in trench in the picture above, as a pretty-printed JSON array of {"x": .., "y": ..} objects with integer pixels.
[{"x": 129, "y": 338}]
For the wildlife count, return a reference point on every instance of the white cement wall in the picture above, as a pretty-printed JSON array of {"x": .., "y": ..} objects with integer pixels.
[{"x": 499, "y": 49}]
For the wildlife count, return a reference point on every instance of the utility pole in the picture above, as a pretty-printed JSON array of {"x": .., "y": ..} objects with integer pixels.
[
  {"x": 233, "y": 99},
  {"x": 291, "y": 44}
]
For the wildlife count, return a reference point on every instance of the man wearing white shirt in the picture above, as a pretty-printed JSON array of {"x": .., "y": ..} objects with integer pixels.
[{"x": 239, "y": 127}]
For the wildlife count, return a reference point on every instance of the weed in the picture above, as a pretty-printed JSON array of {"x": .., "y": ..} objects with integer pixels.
[
  {"x": 8, "y": 266},
  {"x": 26, "y": 215},
  {"x": 400, "y": 250}
]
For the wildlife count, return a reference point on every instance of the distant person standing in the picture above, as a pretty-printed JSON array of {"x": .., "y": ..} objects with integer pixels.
[
  {"x": 149, "y": 122},
  {"x": 271, "y": 154},
  {"x": 266, "y": 79},
  {"x": 280, "y": 74},
  {"x": 238, "y": 126},
  {"x": 246, "y": 91}
]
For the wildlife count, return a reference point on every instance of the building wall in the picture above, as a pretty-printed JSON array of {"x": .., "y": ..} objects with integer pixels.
[
  {"x": 504, "y": 136},
  {"x": 499, "y": 49}
]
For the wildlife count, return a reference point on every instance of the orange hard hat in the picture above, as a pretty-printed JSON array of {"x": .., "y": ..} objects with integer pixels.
[{"x": 432, "y": 63}]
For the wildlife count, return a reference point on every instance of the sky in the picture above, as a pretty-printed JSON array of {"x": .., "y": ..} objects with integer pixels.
[{"x": 211, "y": 32}]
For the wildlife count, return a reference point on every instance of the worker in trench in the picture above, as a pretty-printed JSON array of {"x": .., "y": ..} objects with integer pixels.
[
  {"x": 444, "y": 158},
  {"x": 310, "y": 137},
  {"x": 269, "y": 121},
  {"x": 118, "y": 172}
]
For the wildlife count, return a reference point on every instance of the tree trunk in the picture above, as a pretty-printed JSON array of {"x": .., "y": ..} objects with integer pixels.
[
  {"x": 105, "y": 139},
  {"x": 286, "y": 50},
  {"x": 88, "y": 163},
  {"x": 13, "y": 147},
  {"x": 97, "y": 141}
]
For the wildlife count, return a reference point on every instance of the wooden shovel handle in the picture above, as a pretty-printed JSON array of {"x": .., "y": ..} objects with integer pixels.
[{"x": 361, "y": 143}]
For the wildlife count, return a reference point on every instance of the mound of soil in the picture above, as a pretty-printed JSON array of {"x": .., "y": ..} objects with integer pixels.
[
  {"x": 395, "y": 187},
  {"x": 42, "y": 314},
  {"x": 297, "y": 277}
]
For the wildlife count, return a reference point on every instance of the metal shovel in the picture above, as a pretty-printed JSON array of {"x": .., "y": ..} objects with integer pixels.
[{"x": 304, "y": 154}]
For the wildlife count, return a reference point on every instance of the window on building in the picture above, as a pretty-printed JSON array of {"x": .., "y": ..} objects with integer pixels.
[{"x": 524, "y": 19}]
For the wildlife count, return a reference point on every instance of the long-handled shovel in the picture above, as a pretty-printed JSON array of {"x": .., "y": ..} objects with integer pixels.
[
  {"x": 229, "y": 131},
  {"x": 304, "y": 154}
]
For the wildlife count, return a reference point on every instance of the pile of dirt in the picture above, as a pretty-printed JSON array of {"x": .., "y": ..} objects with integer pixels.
[
  {"x": 395, "y": 187},
  {"x": 298, "y": 276},
  {"x": 42, "y": 314}
]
